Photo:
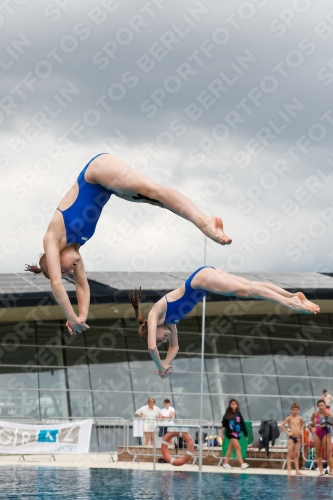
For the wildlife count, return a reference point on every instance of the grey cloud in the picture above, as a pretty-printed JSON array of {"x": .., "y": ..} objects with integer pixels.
[{"x": 198, "y": 155}]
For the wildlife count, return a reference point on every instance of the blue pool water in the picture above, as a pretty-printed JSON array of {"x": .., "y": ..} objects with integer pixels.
[{"x": 39, "y": 483}]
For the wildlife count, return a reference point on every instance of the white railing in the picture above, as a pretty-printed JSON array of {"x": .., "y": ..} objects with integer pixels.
[{"x": 115, "y": 436}]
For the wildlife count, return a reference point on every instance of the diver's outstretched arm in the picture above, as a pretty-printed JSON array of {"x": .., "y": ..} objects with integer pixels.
[
  {"x": 74, "y": 323},
  {"x": 153, "y": 351},
  {"x": 82, "y": 290},
  {"x": 172, "y": 351}
]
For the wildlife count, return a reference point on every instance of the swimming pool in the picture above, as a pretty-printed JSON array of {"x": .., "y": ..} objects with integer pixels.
[{"x": 46, "y": 483}]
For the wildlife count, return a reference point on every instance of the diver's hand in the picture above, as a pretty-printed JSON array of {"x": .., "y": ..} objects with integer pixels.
[
  {"x": 165, "y": 372},
  {"x": 76, "y": 325}
]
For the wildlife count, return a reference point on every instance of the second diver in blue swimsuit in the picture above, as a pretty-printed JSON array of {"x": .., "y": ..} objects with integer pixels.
[{"x": 160, "y": 326}]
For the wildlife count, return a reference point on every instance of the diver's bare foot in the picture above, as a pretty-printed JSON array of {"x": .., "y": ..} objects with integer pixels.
[
  {"x": 297, "y": 305},
  {"x": 214, "y": 231},
  {"x": 299, "y": 473},
  {"x": 307, "y": 302}
]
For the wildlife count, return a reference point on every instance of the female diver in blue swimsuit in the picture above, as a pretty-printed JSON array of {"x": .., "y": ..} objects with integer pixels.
[
  {"x": 160, "y": 326},
  {"x": 75, "y": 219}
]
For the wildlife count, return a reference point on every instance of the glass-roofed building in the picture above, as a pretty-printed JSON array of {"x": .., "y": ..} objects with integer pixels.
[{"x": 258, "y": 352}]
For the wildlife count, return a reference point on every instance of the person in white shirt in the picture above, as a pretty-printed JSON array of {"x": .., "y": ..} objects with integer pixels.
[
  {"x": 150, "y": 413},
  {"x": 167, "y": 414},
  {"x": 327, "y": 398}
]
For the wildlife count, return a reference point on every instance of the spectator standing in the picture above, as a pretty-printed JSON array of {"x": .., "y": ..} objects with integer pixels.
[
  {"x": 150, "y": 413},
  {"x": 232, "y": 426},
  {"x": 167, "y": 414},
  {"x": 309, "y": 431},
  {"x": 322, "y": 436},
  {"x": 294, "y": 433},
  {"x": 327, "y": 398}
]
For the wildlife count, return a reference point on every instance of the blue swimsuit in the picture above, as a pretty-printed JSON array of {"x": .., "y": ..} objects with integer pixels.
[
  {"x": 81, "y": 217},
  {"x": 178, "y": 309}
]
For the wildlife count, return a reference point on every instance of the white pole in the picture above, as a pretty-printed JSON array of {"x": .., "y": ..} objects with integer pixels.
[{"x": 202, "y": 369}]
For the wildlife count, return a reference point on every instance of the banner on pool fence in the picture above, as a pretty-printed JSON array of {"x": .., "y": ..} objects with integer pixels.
[{"x": 69, "y": 438}]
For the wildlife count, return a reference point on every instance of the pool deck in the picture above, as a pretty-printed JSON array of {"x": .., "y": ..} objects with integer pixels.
[{"x": 102, "y": 461}]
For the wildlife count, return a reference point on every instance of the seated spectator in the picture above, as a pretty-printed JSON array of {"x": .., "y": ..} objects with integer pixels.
[
  {"x": 150, "y": 413},
  {"x": 167, "y": 414}
]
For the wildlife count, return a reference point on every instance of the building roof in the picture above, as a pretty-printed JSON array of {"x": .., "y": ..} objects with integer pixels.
[{"x": 23, "y": 289}]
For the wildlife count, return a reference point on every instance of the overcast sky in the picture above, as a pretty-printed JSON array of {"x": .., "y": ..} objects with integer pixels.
[{"x": 228, "y": 101}]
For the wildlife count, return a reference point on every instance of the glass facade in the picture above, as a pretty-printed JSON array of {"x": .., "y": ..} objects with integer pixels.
[{"x": 265, "y": 362}]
